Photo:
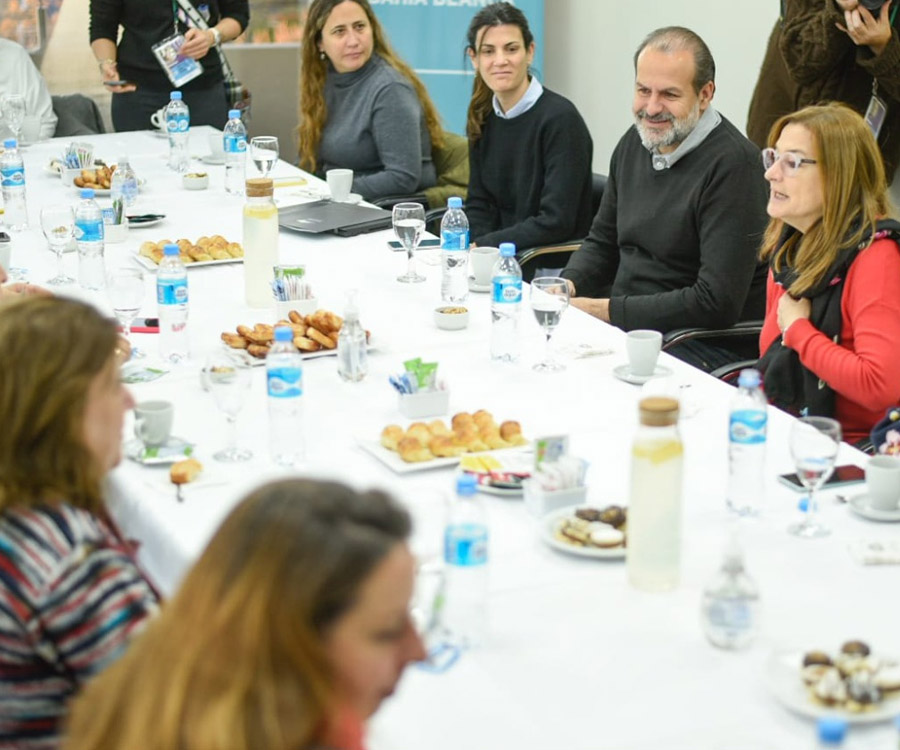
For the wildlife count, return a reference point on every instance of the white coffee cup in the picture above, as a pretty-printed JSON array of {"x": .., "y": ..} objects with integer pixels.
[
  {"x": 153, "y": 422},
  {"x": 883, "y": 482},
  {"x": 216, "y": 147},
  {"x": 158, "y": 118},
  {"x": 340, "y": 181},
  {"x": 31, "y": 129},
  {"x": 482, "y": 260},
  {"x": 643, "y": 348}
]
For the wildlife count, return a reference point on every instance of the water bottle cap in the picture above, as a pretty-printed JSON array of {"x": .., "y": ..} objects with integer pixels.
[
  {"x": 170, "y": 250},
  {"x": 10, "y": 144},
  {"x": 466, "y": 484},
  {"x": 749, "y": 378},
  {"x": 832, "y": 729},
  {"x": 87, "y": 193},
  {"x": 284, "y": 333},
  {"x": 234, "y": 114},
  {"x": 507, "y": 249},
  {"x": 175, "y": 95},
  {"x": 454, "y": 202}
]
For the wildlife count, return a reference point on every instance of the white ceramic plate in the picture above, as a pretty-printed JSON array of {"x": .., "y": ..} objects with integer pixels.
[
  {"x": 212, "y": 160},
  {"x": 550, "y": 523},
  {"x": 147, "y": 263},
  {"x": 257, "y": 362},
  {"x": 392, "y": 460},
  {"x": 861, "y": 506},
  {"x": 175, "y": 449},
  {"x": 623, "y": 372},
  {"x": 473, "y": 287},
  {"x": 785, "y": 683},
  {"x": 144, "y": 224}
]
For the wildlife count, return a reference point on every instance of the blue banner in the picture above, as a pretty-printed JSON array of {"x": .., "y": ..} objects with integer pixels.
[{"x": 430, "y": 35}]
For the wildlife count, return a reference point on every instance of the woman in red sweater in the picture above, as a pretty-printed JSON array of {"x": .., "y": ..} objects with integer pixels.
[{"x": 832, "y": 327}]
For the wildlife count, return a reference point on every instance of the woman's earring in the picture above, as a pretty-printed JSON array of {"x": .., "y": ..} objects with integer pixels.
[{"x": 321, "y": 54}]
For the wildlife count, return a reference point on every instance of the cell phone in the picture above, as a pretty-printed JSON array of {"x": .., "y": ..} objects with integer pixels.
[
  {"x": 842, "y": 475},
  {"x": 117, "y": 83},
  {"x": 396, "y": 245},
  {"x": 144, "y": 325}
]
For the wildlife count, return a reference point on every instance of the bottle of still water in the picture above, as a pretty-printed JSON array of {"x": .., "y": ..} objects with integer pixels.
[
  {"x": 284, "y": 383},
  {"x": 730, "y": 609},
  {"x": 234, "y": 141},
  {"x": 89, "y": 238},
  {"x": 747, "y": 445},
  {"x": 123, "y": 186},
  {"x": 454, "y": 253},
  {"x": 506, "y": 302},
  {"x": 464, "y": 610},
  {"x": 172, "y": 302},
  {"x": 12, "y": 183},
  {"x": 353, "y": 362},
  {"x": 178, "y": 125}
]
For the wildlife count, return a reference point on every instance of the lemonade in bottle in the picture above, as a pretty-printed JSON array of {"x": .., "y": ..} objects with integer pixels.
[{"x": 260, "y": 242}]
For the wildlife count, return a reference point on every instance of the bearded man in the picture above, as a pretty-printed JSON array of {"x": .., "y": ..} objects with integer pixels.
[{"x": 675, "y": 241}]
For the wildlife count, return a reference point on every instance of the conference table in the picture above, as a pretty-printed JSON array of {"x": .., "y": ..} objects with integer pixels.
[{"x": 576, "y": 659}]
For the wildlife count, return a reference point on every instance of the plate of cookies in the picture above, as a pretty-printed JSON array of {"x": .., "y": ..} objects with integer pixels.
[
  {"x": 854, "y": 682},
  {"x": 587, "y": 532},
  {"x": 206, "y": 251}
]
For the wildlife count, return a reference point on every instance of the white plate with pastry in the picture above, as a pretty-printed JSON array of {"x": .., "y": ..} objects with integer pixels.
[
  {"x": 206, "y": 251},
  {"x": 148, "y": 265},
  {"x": 601, "y": 541}
]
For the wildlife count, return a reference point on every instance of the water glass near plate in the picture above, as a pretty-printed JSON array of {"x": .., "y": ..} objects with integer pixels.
[
  {"x": 409, "y": 223},
  {"x": 264, "y": 153}
]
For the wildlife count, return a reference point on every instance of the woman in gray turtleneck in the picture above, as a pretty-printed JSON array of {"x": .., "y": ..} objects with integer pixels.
[{"x": 361, "y": 107}]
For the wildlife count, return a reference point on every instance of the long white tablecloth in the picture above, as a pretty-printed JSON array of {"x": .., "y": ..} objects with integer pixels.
[{"x": 577, "y": 660}]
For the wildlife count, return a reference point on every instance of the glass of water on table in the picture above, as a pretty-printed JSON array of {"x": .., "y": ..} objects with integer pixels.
[
  {"x": 229, "y": 383},
  {"x": 814, "y": 442},
  {"x": 58, "y": 225},
  {"x": 125, "y": 287},
  {"x": 549, "y": 299},
  {"x": 264, "y": 153},
  {"x": 409, "y": 223}
]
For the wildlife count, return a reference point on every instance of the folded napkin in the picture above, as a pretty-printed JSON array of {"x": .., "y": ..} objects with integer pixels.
[{"x": 875, "y": 553}]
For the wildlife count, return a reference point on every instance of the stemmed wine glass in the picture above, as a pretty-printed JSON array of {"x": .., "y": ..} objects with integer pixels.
[
  {"x": 549, "y": 298},
  {"x": 229, "y": 381},
  {"x": 13, "y": 106},
  {"x": 409, "y": 223},
  {"x": 125, "y": 287},
  {"x": 58, "y": 225},
  {"x": 264, "y": 153},
  {"x": 814, "y": 445}
]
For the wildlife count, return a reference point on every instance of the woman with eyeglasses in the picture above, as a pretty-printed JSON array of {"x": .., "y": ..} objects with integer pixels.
[{"x": 832, "y": 325}]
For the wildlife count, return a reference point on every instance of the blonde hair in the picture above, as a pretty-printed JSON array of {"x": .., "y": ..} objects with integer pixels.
[
  {"x": 854, "y": 190},
  {"x": 51, "y": 349},
  {"x": 313, "y": 71},
  {"x": 236, "y": 659}
]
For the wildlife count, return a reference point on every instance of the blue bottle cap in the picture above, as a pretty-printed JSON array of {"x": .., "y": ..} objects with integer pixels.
[
  {"x": 749, "y": 378},
  {"x": 175, "y": 95},
  {"x": 234, "y": 114},
  {"x": 284, "y": 333},
  {"x": 170, "y": 250},
  {"x": 87, "y": 193},
  {"x": 832, "y": 729},
  {"x": 454, "y": 202},
  {"x": 466, "y": 485},
  {"x": 10, "y": 144},
  {"x": 507, "y": 249}
]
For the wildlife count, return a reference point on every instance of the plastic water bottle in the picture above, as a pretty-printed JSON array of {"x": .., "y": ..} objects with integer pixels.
[
  {"x": 747, "y": 445},
  {"x": 831, "y": 731},
  {"x": 172, "y": 301},
  {"x": 455, "y": 253},
  {"x": 464, "y": 610},
  {"x": 89, "y": 238},
  {"x": 506, "y": 301},
  {"x": 123, "y": 187},
  {"x": 353, "y": 363},
  {"x": 178, "y": 125},
  {"x": 284, "y": 379},
  {"x": 12, "y": 182},
  {"x": 234, "y": 141},
  {"x": 731, "y": 604}
]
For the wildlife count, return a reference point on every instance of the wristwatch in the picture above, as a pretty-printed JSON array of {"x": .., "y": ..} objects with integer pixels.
[{"x": 217, "y": 36}]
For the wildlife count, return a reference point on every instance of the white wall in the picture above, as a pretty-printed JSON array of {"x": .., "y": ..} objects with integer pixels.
[{"x": 589, "y": 45}]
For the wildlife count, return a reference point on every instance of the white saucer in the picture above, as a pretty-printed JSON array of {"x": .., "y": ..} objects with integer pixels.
[
  {"x": 473, "y": 287},
  {"x": 623, "y": 372},
  {"x": 860, "y": 505},
  {"x": 210, "y": 159},
  {"x": 353, "y": 198}
]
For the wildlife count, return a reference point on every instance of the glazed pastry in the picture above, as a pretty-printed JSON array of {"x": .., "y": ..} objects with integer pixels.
[
  {"x": 830, "y": 689},
  {"x": 412, "y": 451},
  {"x": 443, "y": 446},
  {"x": 420, "y": 431},
  {"x": 614, "y": 516},
  {"x": 588, "y": 514},
  {"x": 606, "y": 536},
  {"x": 390, "y": 436},
  {"x": 887, "y": 679},
  {"x": 816, "y": 657},
  {"x": 321, "y": 338}
]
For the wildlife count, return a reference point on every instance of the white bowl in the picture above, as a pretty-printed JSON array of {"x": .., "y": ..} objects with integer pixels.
[
  {"x": 195, "y": 181},
  {"x": 451, "y": 317}
]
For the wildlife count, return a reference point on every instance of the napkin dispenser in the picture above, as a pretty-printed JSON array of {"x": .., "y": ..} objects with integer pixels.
[{"x": 424, "y": 404}]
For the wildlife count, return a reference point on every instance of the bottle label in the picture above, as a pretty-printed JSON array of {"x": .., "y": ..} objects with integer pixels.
[
  {"x": 748, "y": 426},
  {"x": 734, "y": 615},
  {"x": 178, "y": 123},
  {"x": 466, "y": 545},
  {"x": 454, "y": 239},
  {"x": 13, "y": 176},
  {"x": 285, "y": 382},
  {"x": 235, "y": 144},
  {"x": 89, "y": 230},
  {"x": 507, "y": 289},
  {"x": 172, "y": 291}
]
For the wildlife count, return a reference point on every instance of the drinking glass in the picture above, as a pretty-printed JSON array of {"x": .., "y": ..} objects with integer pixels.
[
  {"x": 814, "y": 445},
  {"x": 125, "y": 287},
  {"x": 13, "y": 107},
  {"x": 58, "y": 225},
  {"x": 549, "y": 299},
  {"x": 264, "y": 153},
  {"x": 409, "y": 223},
  {"x": 229, "y": 381}
]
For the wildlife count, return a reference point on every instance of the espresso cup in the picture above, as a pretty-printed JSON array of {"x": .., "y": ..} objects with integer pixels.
[
  {"x": 883, "y": 482},
  {"x": 153, "y": 422},
  {"x": 482, "y": 260},
  {"x": 340, "y": 181},
  {"x": 158, "y": 119},
  {"x": 643, "y": 348}
]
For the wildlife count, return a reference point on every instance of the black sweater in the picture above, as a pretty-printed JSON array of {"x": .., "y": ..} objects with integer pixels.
[
  {"x": 530, "y": 177},
  {"x": 679, "y": 245},
  {"x": 146, "y": 22}
]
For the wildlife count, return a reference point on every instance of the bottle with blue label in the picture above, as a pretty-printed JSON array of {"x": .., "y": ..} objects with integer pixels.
[
  {"x": 284, "y": 383},
  {"x": 731, "y": 604},
  {"x": 89, "y": 237},
  {"x": 234, "y": 141},
  {"x": 454, "y": 253},
  {"x": 464, "y": 609},
  {"x": 178, "y": 125},
  {"x": 123, "y": 188},
  {"x": 12, "y": 184},
  {"x": 506, "y": 303},
  {"x": 172, "y": 306},
  {"x": 747, "y": 423}
]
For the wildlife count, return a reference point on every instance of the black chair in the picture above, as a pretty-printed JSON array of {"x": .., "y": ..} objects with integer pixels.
[
  {"x": 742, "y": 338},
  {"x": 76, "y": 115}
]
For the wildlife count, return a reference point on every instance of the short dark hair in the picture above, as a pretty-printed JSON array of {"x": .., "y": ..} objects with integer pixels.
[{"x": 676, "y": 38}]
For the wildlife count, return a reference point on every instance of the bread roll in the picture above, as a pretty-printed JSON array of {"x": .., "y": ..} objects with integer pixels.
[
  {"x": 391, "y": 436},
  {"x": 420, "y": 431},
  {"x": 443, "y": 446},
  {"x": 437, "y": 427},
  {"x": 511, "y": 432},
  {"x": 182, "y": 472},
  {"x": 460, "y": 419},
  {"x": 412, "y": 451}
]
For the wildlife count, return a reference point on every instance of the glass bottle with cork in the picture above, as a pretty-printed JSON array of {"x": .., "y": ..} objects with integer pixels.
[{"x": 260, "y": 241}]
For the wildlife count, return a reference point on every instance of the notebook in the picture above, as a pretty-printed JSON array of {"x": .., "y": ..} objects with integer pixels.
[{"x": 345, "y": 219}]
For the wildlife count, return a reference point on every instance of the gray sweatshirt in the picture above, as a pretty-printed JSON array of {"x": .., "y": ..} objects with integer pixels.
[{"x": 376, "y": 126}]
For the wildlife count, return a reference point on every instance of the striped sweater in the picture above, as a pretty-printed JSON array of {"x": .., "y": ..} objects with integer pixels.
[{"x": 70, "y": 598}]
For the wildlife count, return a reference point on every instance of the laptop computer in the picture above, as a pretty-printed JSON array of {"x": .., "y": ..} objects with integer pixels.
[{"x": 345, "y": 219}]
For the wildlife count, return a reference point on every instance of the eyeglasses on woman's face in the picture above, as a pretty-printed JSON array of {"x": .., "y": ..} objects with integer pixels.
[{"x": 790, "y": 160}]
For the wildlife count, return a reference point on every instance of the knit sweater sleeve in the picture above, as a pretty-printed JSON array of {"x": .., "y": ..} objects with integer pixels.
[
  {"x": 480, "y": 209},
  {"x": 885, "y": 68},
  {"x": 105, "y": 15},
  {"x": 396, "y": 118},
  {"x": 811, "y": 43}
]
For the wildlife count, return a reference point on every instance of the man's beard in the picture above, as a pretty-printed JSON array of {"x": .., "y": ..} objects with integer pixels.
[{"x": 654, "y": 140}]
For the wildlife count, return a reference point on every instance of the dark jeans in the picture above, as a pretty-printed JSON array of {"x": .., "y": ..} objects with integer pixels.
[{"x": 132, "y": 111}]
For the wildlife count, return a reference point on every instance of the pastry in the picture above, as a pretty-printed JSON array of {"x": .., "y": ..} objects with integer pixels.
[
  {"x": 412, "y": 451},
  {"x": 326, "y": 341},
  {"x": 443, "y": 446},
  {"x": 461, "y": 419},
  {"x": 391, "y": 435},
  {"x": 437, "y": 427},
  {"x": 816, "y": 657},
  {"x": 605, "y": 536},
  {"x": 182, "y": 472},
  {"x": 420, "y": 431},
  {"x": 512, "y": 432},
  {"x": 614, "y": 516}
]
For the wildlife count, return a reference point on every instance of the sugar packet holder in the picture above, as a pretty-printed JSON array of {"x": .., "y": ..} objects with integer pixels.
[{"x": 558, "y": 478}]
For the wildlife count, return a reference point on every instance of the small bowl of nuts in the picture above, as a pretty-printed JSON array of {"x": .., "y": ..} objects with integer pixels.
[
  {"x": 195, "y": 181},
  {"x": 451, "y": 318}
]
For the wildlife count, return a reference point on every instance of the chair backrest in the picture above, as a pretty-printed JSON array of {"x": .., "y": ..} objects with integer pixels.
[
  {"x": 451, "y": 162},
  {"x": 77, "y": 115}
]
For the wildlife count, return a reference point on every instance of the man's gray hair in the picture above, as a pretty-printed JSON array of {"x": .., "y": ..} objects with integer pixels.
[{"x": 677, "y": 38}]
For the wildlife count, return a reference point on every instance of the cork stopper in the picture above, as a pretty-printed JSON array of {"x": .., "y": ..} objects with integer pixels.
[
  {"x": 658, "y": 411},
  {"x": 259, "y": 187}
]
